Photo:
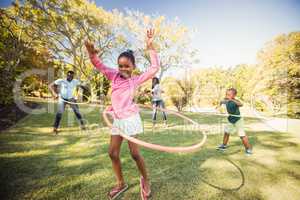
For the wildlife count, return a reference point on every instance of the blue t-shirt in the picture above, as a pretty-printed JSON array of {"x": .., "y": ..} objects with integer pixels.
[{"x": 232, "y": 108}]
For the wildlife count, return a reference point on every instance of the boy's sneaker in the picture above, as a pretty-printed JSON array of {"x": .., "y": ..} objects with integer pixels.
[
  {"x": 83, "y": 127},
  {"x": 248, "y": 152},
  {"x": 55, "y": 131},
  {"x": 222, "y": 147}
]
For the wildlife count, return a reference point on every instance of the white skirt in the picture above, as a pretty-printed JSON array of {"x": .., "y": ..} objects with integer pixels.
[{"x": 130, "y": 126}]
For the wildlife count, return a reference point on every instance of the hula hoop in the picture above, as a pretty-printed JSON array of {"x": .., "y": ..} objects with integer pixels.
[
  {"x": 75, "y": 103},
  {"x": 247, "y": 116},
  {"x": 158, "y": 147},
  {"x": 78, "y": 103},
  {"x": 263, "y": 119}
]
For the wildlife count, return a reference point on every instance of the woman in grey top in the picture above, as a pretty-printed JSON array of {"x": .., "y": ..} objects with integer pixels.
[{"x": 157, "y": 100}]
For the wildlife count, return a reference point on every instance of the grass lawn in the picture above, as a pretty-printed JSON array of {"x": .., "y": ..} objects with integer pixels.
[{"x": 35, "y": 164}]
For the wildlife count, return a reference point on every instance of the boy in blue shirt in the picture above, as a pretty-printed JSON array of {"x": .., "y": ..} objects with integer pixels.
[{"x": 235, "y": 121}]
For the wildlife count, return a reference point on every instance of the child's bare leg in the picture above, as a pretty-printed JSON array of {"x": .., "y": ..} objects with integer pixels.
[
  {"x": 246, "y": 142},
  {"x": 225, "y": 138},
  {"x": 135, "y": 153},
  {"x": 114, "y": 152}
]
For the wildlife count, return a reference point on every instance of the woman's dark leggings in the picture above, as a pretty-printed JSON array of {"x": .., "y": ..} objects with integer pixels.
[{"x": 156, "y": 104}]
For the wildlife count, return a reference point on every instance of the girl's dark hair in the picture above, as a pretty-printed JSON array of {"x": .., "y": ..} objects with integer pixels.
[
  {"x": 128, "y": 54},
  {"x": 155, "y": 81}
]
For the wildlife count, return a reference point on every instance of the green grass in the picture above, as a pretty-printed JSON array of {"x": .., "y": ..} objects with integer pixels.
[{"x": 35, "y": 164}]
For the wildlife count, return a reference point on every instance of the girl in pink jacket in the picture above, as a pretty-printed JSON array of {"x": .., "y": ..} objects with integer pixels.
[{"x": 125, "y": 111}]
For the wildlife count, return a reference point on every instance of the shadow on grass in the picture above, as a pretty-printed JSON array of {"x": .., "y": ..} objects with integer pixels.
[
  {"x": 228, "y": 189},
  {"x": 192, "y": 164},
  {"x": 37, "y": 165}
]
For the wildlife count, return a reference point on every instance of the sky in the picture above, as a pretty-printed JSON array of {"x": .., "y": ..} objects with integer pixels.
[{"x": 229, "y": 32}]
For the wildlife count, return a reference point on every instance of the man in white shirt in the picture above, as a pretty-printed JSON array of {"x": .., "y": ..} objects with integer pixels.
[{"x": 64, "y": 89}]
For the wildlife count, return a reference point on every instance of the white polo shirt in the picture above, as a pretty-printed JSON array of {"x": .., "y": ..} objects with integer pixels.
[{"x": 67, "y": 88}]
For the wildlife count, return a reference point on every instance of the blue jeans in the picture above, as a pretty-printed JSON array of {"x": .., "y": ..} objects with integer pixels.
[
  {"x": 158, "y": 104},
  {"x": 61, "y": 108}
]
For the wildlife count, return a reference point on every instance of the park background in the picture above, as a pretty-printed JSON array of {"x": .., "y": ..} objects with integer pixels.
[{"x": 205, "y": 47}]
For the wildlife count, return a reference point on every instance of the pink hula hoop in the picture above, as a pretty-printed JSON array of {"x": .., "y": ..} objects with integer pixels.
[{"x": 158, "y": 147}]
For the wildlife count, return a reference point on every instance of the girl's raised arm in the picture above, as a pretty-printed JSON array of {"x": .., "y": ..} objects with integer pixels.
[
  {"x": 150, "y": 73},
  {"x": 154, "y": 61},
  {"x": 107, "y": 71}
]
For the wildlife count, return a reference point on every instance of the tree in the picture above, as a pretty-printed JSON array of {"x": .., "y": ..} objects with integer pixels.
[
  {"x": 172, "y": 39},
  {"x": 178, "y": 92},
  {"x": 280, "y": 71},
  {"x": 18, "y": 51},
  {"x": 210, "y": 85},
  {"x": 243, "y": 78},
  {"x": 63, "y": 26}
]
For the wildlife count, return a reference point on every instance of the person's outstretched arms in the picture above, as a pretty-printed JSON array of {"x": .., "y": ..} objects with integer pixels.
[
  {"x": 224, "y": 101},
  {"x": 108, "y": 72},
  {"x": 219, "y": 105},
  {"x": 238, "y": 102},
  {"x": 53, "y": 87},
  {"x": 154, "y": 61}
]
